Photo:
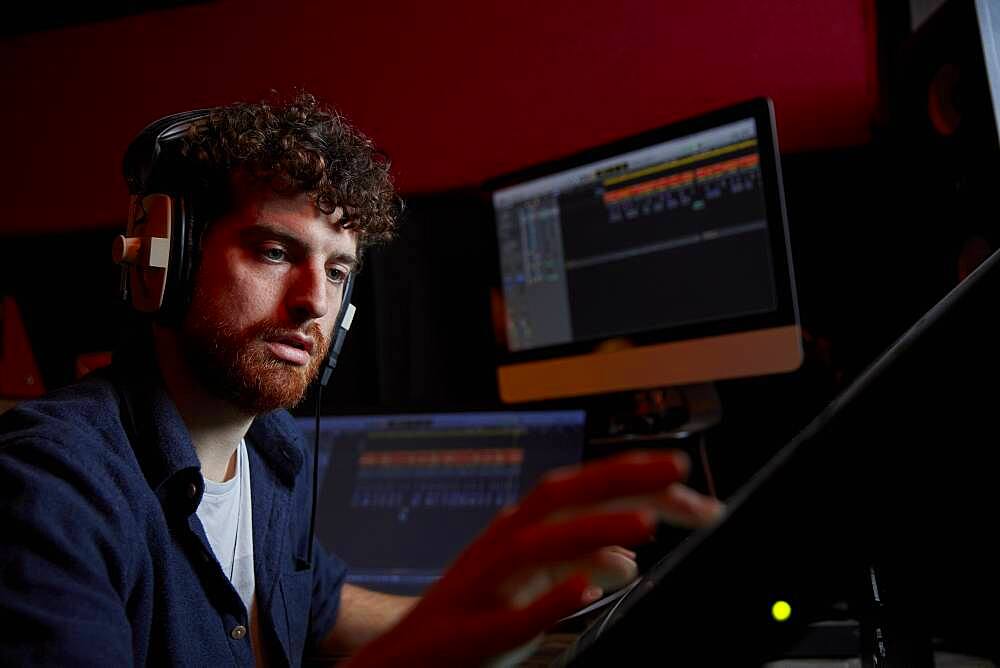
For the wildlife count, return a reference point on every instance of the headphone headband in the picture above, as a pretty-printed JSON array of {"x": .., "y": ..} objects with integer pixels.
[{"x": 143, "y": 153}]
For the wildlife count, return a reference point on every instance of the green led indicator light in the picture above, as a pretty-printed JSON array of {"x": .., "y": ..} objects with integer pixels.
[{"x": 781, "y": 611}]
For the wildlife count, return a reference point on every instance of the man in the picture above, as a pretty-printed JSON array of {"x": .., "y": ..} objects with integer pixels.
[{"x": 158, "y": 511}]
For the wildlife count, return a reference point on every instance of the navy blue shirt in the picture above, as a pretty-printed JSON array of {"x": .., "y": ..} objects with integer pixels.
[{"x": 103, "y": 561}]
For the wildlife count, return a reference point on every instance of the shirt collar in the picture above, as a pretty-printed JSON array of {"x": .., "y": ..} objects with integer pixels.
[
  {"x": 274, "y": 436},
  {"x": 161, "y": 440}
]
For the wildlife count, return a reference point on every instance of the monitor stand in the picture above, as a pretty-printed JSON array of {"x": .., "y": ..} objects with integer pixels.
[{"x": 667, "y": 413}]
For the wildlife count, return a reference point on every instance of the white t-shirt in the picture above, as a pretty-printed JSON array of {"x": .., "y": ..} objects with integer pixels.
[{"x": 225, "y": 512}]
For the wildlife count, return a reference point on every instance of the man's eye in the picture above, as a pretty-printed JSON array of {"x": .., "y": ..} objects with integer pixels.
[
  {"x": 336, "y": 275},
  {"x": 273, "y": 254}
]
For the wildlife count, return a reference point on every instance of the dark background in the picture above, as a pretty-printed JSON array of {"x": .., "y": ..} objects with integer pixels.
[{"x": 889, "y": 203}]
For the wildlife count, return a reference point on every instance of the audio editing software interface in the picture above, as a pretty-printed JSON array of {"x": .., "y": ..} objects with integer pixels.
[
  {"x": 401, "y": 495},
  {"x": 584, "y": 251}
]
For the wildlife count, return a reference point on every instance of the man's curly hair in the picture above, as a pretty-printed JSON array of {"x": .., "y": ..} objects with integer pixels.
[{"x": 296, "y": 147}]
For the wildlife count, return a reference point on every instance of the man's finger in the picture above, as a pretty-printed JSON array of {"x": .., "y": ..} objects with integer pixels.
[
  {"x": 682, "y": 506},
  {"x": 541, "y": 545},
  {"x": 626, "y": 475},
  {"x": 608, "y": 568},
  {"x": 678, "y": 505}
]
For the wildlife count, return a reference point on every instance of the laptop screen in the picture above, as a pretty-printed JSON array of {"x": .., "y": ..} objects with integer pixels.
[{"x": 401, "y": 495}]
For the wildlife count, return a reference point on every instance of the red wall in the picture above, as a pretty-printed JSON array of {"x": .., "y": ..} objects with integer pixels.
[{"x": 454, "y": 91}]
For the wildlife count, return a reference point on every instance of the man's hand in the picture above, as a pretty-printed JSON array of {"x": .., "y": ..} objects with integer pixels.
[{"x": 543, "y": 559}]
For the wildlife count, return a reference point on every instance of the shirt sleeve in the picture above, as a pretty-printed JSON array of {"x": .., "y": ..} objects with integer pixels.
[{"x": 62, "y": 572}]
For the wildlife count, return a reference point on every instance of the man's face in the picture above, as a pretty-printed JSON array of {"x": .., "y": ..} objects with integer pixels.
[{"x": 267, "y": 294}]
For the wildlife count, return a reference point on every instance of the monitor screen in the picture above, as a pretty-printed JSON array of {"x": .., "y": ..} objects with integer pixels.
[
  {"x": 661, "y": 259},
  {"x": 401, "y": 495}
]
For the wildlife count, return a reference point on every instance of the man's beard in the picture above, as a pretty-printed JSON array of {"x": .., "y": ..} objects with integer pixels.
[{"x": 238, "y": 366}]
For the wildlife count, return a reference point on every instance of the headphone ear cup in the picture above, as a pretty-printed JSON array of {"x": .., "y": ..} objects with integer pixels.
[
  {"x": 145, "y": 251},
  {"x": 179, "y": 272},
  {"x": 158, "y": 249}
]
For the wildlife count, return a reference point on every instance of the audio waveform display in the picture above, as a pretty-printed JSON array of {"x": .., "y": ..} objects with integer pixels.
[
  {"x": 684, "y": 178},
  {"x": 680, "y": 162},
  {"x": 691, "y": 189},
  {"x": 415, "y": 479}
]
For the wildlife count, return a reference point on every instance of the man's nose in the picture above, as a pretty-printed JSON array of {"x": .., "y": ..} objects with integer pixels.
[{"x": 308, "y": 295}]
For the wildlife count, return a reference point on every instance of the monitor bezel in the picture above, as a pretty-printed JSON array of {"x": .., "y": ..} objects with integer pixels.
[{"x": 785, "y": 314}]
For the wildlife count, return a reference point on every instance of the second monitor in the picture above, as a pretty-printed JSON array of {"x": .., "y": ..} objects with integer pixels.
[
  {"x": 661, "y": 259},
  {"x": 401, "y": 495}
]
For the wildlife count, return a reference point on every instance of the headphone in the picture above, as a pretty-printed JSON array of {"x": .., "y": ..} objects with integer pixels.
[{"x": 159, "y": 249}]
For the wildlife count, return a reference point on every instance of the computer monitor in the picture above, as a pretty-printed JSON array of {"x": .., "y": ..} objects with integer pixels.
[
  {"x": 657, "y": 260},
  {"x": 401, "y": 495},
  {"x": 882, "y": 511}
]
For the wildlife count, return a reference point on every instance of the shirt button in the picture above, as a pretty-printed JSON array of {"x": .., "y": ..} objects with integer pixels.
[
  {"x": 192, "y": 490},
  {"x": 238, "y": 632}
]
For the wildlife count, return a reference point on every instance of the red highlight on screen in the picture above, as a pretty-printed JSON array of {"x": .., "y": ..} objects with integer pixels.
[
  {"x": 684, "y": 178},
  {"x": 443, "y": 458}
]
